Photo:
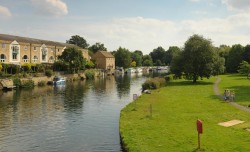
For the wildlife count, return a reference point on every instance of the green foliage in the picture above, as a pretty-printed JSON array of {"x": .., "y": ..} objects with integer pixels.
[
  {"x": 147, "y": 60},
  {"x": 97, "y": 47},
  {"x": 60, "y": 66},
  {"x": 89, "y": 64},
  {"x": 26, "y": 67},
  {"x": 90, "y": 74},
  {"x": 169, "y": 78},
  {"x": 78, "y": 41},
  {"x": 133, "y": 64},
  {"x": 1, "y": 67},
  {"x": 234, "y": 58},
  {"x": 27, "y": 84},
  {"x": 136, "y": 56},
  {"x": 158, "y": 56},
  {"x": 40, "y": 67},
  {"x": 123, "y": 58},
  {"x": 17, "y": 82},
  {"x": 74, "y": 58},
  {"x": 244, "y": 68},
  {"x": 246, "y": 53},
  {"x": 172, "y": 52},
  {"x": 48, "y": 73},
  {"x": 41, "y": 83},
  {"x": 153, "y": 83}
]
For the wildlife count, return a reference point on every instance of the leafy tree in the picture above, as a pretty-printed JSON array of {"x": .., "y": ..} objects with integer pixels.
[
  {"x": 78, "y": 41},
  {"x": 172, "y": 52},
  {"x": 246, "y": 53},
  {"x": 158, "y": 63},
  {"x": 196, "y": 60},
  {"x": 89, "y": 64},
  {"x": 158, "y": 54},
  {"x": 123, "y": 58},
  {"x": 137, "y": 57},
  {"x": 73, "y": 58},
  {"x": 218, "y": 64},
  {"x": 176, "y": 65},
  {"x": 147, "y": 60},
  {"x": 234, "y": 58},
  {"x": 139, "y": 52},
  {"x": 244, "y": 68},
  {"x": 133, "y": 64},
  {"x": 97, "y": 47}
]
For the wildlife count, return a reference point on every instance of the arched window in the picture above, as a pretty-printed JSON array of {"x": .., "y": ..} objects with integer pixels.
[
  {"x": 25, "y": 58},
  {"x": 2, "y": 58},
  {"x": 35, "y": 58},
  {"x": 51, "y": 59}
]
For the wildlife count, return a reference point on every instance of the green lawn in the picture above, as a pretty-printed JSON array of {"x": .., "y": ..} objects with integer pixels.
[{"x": 176, "y": 108}]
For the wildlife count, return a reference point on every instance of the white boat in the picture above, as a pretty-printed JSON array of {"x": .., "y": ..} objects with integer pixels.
[
  {"x": 131, "y": 70},
  {"x": 59, "y": 80}
]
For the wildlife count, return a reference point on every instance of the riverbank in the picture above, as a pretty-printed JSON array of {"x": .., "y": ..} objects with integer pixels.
[{"x": 175, "y": 110}]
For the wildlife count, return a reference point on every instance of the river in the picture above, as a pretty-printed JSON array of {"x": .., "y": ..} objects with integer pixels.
[{"x": 82, "y": 116}]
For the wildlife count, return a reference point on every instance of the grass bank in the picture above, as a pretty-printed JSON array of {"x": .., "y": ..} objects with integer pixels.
[{"x": 175, "y": 110}]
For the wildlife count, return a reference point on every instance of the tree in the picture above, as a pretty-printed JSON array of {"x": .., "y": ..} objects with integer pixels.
[
  {"x": 78, "y": 41},
  {"x": 133, "y": 64},
  {"x": 246, "y": 53},
  {"x": 137, "y": 57},
  {"x": 73, "y": 58},
  {"x": 172, "y": 52},
  {"x": 234, "y": 58},
  {"x": 158, "y": 54},
  {"x": 218, "y": 64},
  {"x": 123, "y": 58},
  {"x": 147, "y": 60},
  {"x": 197, "y": 58},
  {"x": 244, "y": 68},
  {"x": 97, "y": 47}
]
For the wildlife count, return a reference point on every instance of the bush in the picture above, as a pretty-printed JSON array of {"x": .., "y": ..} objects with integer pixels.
[
  {"x": 169, "y": 78},
  {"x": 27, "y": 84},
  {"x": 90, "y": 74},
  {"x": 48, "y": 73},
  {"x": 17, "y": 82},
  {"x": 153, "y": 83},
  {"x": 41, "y": 83}
]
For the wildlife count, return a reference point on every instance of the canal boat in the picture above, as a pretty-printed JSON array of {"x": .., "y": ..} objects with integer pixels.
[{"x": 59, "y": 80}]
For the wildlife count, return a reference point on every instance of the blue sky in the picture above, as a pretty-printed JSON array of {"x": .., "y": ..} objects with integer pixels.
[{"x": 132, "y": 24}]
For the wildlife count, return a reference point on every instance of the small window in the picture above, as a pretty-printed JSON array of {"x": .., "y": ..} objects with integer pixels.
[
  {"x": 25, "y": 58},
  {"x": 34, "y": 48},
  {"x": 35, "y": 58},
  {"x": 25, "y": 48},
  {"x": 2, "y": 58},
  {"x": 3, "y": 45},
  {"x": 58, "y": 50}
]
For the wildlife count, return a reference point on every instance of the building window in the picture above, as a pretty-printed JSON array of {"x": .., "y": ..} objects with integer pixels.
[
  {"x": 34, "y": 48},
  {"x": 51, "y": 59},
  {"x": 25, "y": 48},
  {"x": 25, "y": 58},
  {"x": 2, "y": 58},
  {"x": 3, "y": 45},
  {"x": 15, "y": 51},
  {"x": 35, "y": 58},
  {"x": 44, "y": 53},
  {"x": 58, "y": 50}
]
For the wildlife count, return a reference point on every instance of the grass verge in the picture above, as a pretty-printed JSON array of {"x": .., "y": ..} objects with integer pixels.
[{"x": 175, "y": 109}]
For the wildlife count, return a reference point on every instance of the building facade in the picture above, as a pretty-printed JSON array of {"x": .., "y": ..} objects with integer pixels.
[
  {"x": 19, "y": 50},
  {"x": 104, "y": 60}
]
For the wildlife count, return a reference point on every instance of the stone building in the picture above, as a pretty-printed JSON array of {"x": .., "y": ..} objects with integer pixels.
[
  {"x": 104, "y": 60},
  {"x": 19, "y": 50}
]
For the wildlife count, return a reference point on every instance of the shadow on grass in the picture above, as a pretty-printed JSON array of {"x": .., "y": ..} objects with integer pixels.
[{"x": 185, "y": 83}]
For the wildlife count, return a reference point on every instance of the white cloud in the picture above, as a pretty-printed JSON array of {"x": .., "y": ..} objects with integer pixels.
[
  {"x": 237, "y": 5},
  {"x": 50, "y": 7},
  {"x": 194, "y": 0},
  {"x": 5, "y": 12}
]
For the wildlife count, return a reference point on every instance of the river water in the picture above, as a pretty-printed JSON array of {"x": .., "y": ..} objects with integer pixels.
[{"x": 80, "y": 117}]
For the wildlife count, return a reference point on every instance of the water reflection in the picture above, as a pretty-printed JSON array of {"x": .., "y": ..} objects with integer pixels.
[{"x": 81, "y": 116}]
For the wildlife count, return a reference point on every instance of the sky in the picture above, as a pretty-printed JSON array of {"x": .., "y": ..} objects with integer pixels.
[{"x": 132, "y": 24}]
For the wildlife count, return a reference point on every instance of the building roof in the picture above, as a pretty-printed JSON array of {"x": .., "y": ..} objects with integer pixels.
[
  {"x": 104, "y": 54},
  {"x": 34, "y": 41}
]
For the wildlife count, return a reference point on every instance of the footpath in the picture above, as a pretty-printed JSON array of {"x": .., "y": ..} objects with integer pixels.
[{"x": 217, "y": 92}]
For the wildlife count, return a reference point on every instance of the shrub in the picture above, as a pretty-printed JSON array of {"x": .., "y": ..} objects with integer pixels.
[
  {"x": 153, "y": 83},
  {"x": 26, "y": 67},
  {"x": 49, "y": 73},
  {"x": 90, "y": 74},
  {"x": 169, "y": 78},
  {"x": 27, "y": 84},
  {"x": 41, "y": 83},
  {"x": 17, "y": 82}
]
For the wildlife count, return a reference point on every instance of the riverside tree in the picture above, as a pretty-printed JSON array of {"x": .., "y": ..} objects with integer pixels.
[
  {"x": 97, "y": 47},
  {"x": 73, "y": 58},
  {"x": 78, "y": 41},
  {"x": 123, "y": 58},
  {"x": 196, "y": 60}
]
